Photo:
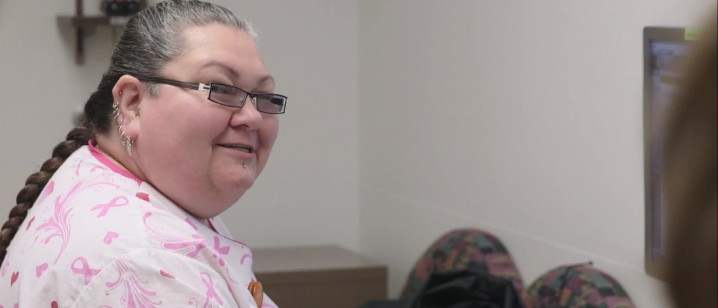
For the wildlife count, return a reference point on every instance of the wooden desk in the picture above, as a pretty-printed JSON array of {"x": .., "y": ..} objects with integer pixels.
[{"x": 319, "y": 276}]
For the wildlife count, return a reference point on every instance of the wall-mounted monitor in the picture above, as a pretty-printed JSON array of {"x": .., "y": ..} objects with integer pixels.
[{"x": 663, "y": 49}]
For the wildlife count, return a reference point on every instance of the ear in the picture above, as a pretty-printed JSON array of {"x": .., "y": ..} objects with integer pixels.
[{"x": 129, "y": 93}]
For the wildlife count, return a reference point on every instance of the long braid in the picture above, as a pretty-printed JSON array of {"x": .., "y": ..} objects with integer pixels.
[{"x": 36, "y": 182}]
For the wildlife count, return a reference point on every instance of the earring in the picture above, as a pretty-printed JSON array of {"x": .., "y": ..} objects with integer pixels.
[
  {"x": 116, "y": 111},
  {"x": 244, "y": 165},
  {"x": 127, "y": 143}
]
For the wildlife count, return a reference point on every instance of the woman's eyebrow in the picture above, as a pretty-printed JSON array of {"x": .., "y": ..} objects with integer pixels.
[
  {"x": 264, "y": 81},
  {"x": 231, "y": 72}
]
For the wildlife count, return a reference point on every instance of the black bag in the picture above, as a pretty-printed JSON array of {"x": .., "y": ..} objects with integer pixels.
[
  {"x": 467, "y": 289},
  {"x": 459, "y": 289}
]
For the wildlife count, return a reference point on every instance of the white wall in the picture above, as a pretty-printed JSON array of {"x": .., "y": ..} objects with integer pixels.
[
  {"x": 522, "y": 118},
  {"x": 308, "y": 192},
  {"x": 41, "y": 86}
]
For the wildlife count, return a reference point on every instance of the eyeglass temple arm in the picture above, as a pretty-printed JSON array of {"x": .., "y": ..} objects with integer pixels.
[{"x": 187, "y": 85}]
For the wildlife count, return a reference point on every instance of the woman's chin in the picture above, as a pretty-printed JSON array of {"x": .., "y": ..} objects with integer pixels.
[{"x": 239, "y": 184}]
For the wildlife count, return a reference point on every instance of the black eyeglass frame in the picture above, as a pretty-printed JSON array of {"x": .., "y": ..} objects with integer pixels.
[{"x": 208, "y": 87}]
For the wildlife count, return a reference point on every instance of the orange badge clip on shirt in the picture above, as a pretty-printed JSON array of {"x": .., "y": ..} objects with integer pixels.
[{"x": 255, "y": 287}]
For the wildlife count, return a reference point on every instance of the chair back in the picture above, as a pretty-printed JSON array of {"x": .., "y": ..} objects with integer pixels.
[
  {"x": 579, "y": 285},
  {"x": 464, "y": 249}
]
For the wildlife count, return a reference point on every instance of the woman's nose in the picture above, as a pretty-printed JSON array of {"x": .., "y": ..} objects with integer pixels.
[{"x": 247, "y": 115}]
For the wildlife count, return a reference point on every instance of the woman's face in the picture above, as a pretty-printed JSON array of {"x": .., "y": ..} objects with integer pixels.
[{"x": 200, "y": 154}]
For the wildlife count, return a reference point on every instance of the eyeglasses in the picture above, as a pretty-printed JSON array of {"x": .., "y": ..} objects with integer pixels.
[{"x": 230, "y": 96}]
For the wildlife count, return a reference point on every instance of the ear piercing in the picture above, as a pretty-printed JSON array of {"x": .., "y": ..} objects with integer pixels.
[{"x": 126, "y": 141}]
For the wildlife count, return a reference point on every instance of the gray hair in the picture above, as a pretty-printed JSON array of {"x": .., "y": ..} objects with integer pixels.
[{"x": 152, "y": 38}]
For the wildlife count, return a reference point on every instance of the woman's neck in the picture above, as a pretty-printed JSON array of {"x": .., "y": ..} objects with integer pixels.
[
  {"x": 104, "y": 151},
  {"x": 114, "y": 152},
  {"x": 110, "y": 157}
]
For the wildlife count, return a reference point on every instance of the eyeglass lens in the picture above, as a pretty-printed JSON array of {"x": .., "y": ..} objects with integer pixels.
[{"x": 235, "y": 97}]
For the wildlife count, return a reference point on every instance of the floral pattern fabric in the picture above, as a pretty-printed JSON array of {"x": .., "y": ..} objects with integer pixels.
[
  {"x": 99, "y": 237},
  {"x": 580, "y": 285},
  {"x": 464, "y": 249}
]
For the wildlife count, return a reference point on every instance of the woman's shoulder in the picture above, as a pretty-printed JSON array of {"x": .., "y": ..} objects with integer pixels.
[
  {"x": 92, "y": 202},
  {"x": 84, "y": 220},
  {"x": 96, "y": 216}
]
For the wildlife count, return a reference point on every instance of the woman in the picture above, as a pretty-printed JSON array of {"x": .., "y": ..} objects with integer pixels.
[
  {"x": 124, "y": 213},
  {"x": 691, "y": 181}
]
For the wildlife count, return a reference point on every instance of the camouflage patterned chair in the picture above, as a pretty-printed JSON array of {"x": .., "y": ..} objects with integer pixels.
[
  {"x": 580, "y": 285},
  {"x": 464, "y": 249}
]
